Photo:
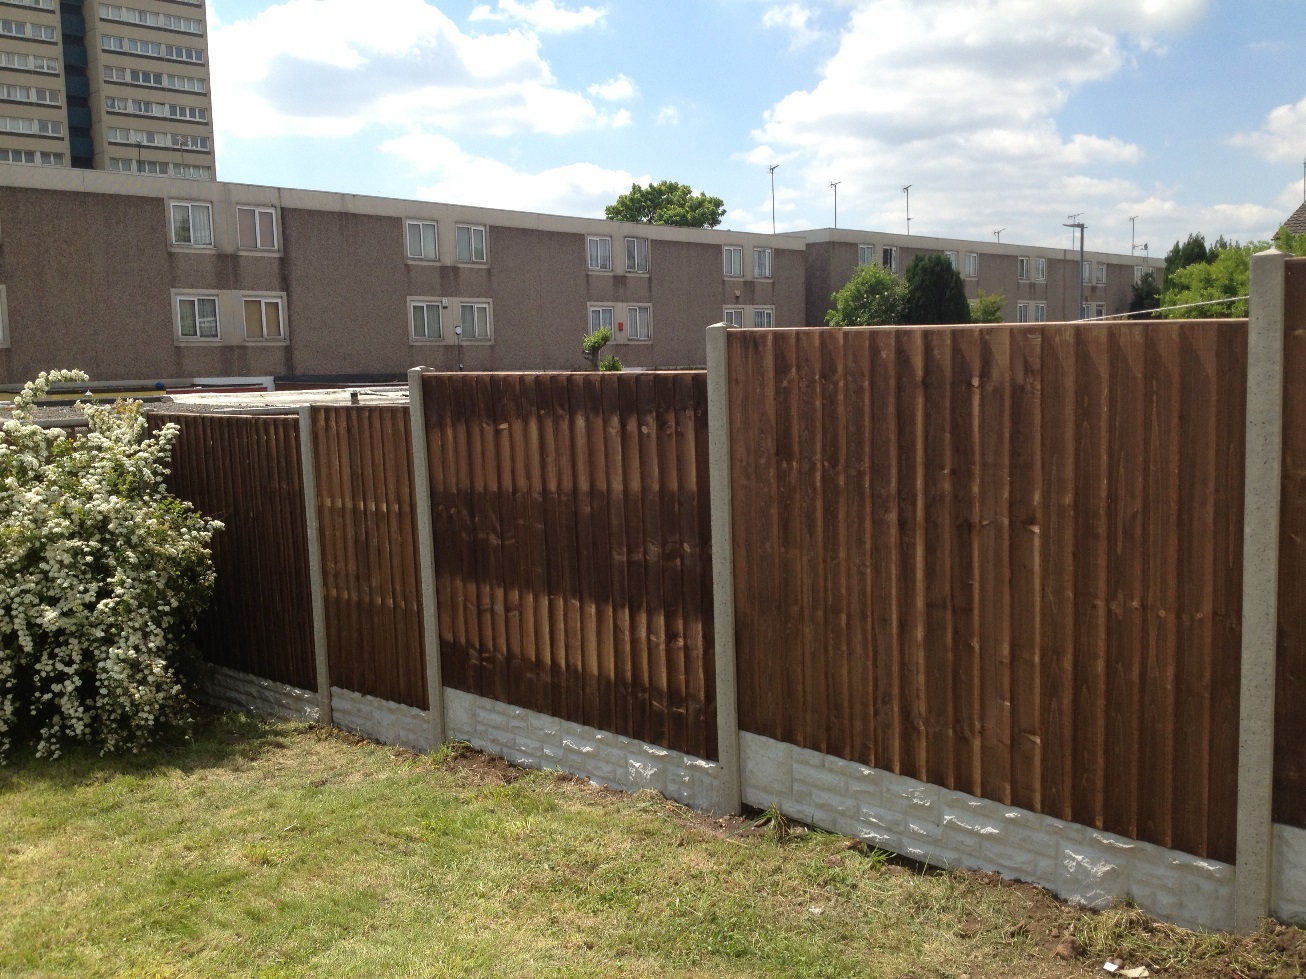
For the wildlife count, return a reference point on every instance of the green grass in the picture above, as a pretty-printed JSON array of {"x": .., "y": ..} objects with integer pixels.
[{"x": 283, "y": 850}]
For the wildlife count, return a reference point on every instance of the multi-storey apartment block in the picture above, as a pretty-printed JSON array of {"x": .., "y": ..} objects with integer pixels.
[{"x": 104, "y": 86}]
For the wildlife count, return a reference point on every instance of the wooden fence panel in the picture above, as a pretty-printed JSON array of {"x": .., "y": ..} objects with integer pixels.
[
  {"x": 1290, "y": 718},
  {"x": 246, "y": 472},
  {"x": 371, "y": 579},
  {"x": 1003, "y": 560},
  {"x": 573, "y": 551}
]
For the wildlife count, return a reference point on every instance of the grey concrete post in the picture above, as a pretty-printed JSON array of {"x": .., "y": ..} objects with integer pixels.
[
  {"x": 728, "y": 798},
  {"x": 426, "y": 556},
  {"x": 309, "y": 469},
  {"x": 1260, "y": 591}
]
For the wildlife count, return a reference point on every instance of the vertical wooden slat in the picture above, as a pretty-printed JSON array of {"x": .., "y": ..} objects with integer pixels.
[
  {"x": 693, "y": 535},
  {"x": 833, "y": 554},
  {"x": 633, "y": 487},
  {"x": 937, "y": 482},
  {"x": 671, "y": 558},
  {"x": 595, "y": 463},
  {"x": 964, "y": 553},
  {"x": 912, "y": 609},
  {"x": 622, "y": 695},
  {"x": 861, "y": 591},
  {"x": 790, "y": 568},
  {"x": 572, "y": 647},
  {"x": 885, "y": 557},
  {"x": 811, "y": 547}
]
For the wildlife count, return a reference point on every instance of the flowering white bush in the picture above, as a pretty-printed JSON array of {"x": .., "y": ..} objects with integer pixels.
[{"x": 103, "y": 575}]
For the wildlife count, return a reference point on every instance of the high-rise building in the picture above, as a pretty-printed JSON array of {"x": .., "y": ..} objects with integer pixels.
[{"x": 106, "y": 87}]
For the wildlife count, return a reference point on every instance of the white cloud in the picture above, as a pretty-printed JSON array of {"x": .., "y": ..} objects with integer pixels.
[
  {"x": 961, "y": 99},
  {"x": 668, "y": 115},
  {"x": 1282, "y": 136},
  {"x": 576, "y": 189},
  {"x": 541, "y": 15},
  {"x": 614, "y": 89},
  {"x": 794, "y": 18},
  {"x": 316, "y": 67}
]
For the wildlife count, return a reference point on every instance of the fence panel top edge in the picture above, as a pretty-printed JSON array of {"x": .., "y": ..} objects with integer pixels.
[
  {"x": 1226, "y": 322},
  {"x": 628, "y": 372}
]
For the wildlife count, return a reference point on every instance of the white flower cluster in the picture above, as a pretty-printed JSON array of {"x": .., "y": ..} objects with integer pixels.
[{"x": 103, "y": 576}]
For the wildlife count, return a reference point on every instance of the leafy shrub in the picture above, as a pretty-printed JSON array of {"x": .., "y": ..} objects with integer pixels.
[
  {"x": 612, "y": 363},
  {"x": 103, "y": 576}
]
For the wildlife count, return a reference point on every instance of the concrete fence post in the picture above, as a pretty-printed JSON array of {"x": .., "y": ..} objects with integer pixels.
[
  {"x": 426, "y": 556},
  {"x": 308, "y": 466},
  {"x": 729, "y": 799},
  {"x": 1264, "y": 463}
]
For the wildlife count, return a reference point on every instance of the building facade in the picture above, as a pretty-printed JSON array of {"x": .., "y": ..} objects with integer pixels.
[
  {"x": 1037, "y": 284},
  {"x": 153, "y": 278},
  {"x": 88, "y": 85}
]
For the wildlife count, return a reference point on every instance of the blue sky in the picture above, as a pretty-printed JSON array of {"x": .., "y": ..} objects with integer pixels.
[{"x": 1012, "y": 114}]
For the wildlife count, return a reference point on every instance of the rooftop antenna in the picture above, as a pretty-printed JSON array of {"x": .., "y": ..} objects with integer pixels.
[
  {"x": 773, "y": 169},
  {"x": 907, "y": 190},
  {"x": 834, "y": 185},
  {"x": 1072, "y": 227},
  {"x": 1072, "y": 218},
  {"x": 1132, "y": 248},
  {"x": 998, "y": 234}
]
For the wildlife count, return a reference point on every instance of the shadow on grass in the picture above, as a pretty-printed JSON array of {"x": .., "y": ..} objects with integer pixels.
[{"x": 216, "y": 739}]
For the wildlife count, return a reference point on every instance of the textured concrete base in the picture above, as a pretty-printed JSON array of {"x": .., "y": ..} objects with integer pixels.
[
  {"x": 539, "y": 741},
  {"x": 1288, "y": 898},
  {"x": 945, "y": 828},
  {"x": 266, "y": 698},
  {"x": 381, "y": 720}
]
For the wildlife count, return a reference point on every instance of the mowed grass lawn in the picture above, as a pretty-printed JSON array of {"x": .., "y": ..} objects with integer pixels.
[{"x": 283, "y": 850}]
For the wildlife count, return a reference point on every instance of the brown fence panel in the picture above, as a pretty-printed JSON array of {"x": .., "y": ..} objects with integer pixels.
[
  {"x": 370, "y": 572},
  {"x": 1290, "y": 718},
  {"x": 1003, "y": 560},
  {"x": 246, "y": 472},
  {"x": 573, "y": 556}
]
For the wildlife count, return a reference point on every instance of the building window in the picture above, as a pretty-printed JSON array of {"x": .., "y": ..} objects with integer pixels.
[
  {"x": 25, "y": 93},
  {"x": 422, "y": 242},
  {"x": 638, "y": 322},
  {"x": 38, "y": 4},
  {"x": 600, "y": 254},
  {"x": 733, "y": 317},
  {"x": 33, "y": 32},
  {"x": 197, "y": 317},
  {"x": 263, "y": 319},
  {"x": 1040, "y": 269},
  {"x": 471, "y": 243},
  {"x": 148, "y": 18},
  {"x": 35, "y": 157},
  {"x": 1086, "y": 272},
  {"x": 865, "y": 254},
  {"x": 192, "y": 224},
  {"x": 1022, "y": 268},
  {"x": 1101, "y": 274},
  {"x": 889, "y": 258},
  {"x": 427, "y": 320},
  {"x": 151, "y": 49},
  {"x": 1022, "y": 312},
  {"x": 474, "y": 318},
  {"x": 600, "y": 318},
  {"x": 31, "y": 127},
  {"x": 733, "y": 260},
  {"x": 637, "y": 255},
  {"x": 764, "y": 318},
  {"x": 256, "y": 227},
  {"x": 28, "y": 62},
  {"x": 972, "y": 265},
  {"x": 1138, "y": 275},
  {"x": 1040, "y": 312},
  {"x": 1083, "y": 311},
  {"x": 761, "y": 263},
  {"x": 1099, "y": 310},
  {"x": 952, "y": 258}
]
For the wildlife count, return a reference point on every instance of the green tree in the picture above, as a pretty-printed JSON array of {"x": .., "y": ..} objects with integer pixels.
[
  {"x": 1146, "y": 295},
  {"x": 874, "y": 296},
  {"x": 1189, "y": 253},
  {"x": 1226, "y": 277},
  {"x": 593, "y": 345},
  {"x": 667, "y": 203},
  {"x": 987, "y": 307},
  {"x": 935, "y": 292}
]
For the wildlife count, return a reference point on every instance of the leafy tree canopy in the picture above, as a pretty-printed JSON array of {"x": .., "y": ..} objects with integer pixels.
[
  {"x": 1225, "y": 274},
  {"x": 1146, "y": 294},
  {"x": 1189, "y": 253},
  {"x": 935, "y": 292},
  {"x": 874, "y": 296},
  {"x": 987, "y": 307},
  {"x": 667, "y": 203}
]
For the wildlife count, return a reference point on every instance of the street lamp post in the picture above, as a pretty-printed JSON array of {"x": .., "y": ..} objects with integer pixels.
[
  {"x": 834, "y": 185},
  {"x": 773, "y": 169},
  {"x": 1072, "y": 227},
  {"x": 907, "y": 190},
  {"x": 997, "y": 235}
]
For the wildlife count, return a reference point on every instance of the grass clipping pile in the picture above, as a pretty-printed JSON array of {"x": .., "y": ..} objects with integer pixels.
[{"x": 103, "y": 575}]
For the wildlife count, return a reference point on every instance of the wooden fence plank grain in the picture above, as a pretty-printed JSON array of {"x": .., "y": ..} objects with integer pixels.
[
  {"x": 835, "y": 570},
  {"x": 967, "y": 754},
  {"x": 634, "y": 480},
  {"x": 810, "y": 552},
  {"x": 912, "y": 611},
  {"x": 861, "y": 596},
  {"x": 792, "y": 697},
  {"x": 939, "y": 693},
  {"x": 622, "y": 693},
  {"x": 886, "y": 552}
]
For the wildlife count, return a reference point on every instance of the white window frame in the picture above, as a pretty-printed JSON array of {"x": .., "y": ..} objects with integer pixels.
[
  {"x": 190, "y": 220},
  {"x": 1040, "y": 270},
  {"x": 421, "y": 226},
  {"x": 599, "y": 316},
  {"x": 953, "y": 259},
  {"x": 865, "y": 255},
  {"x": 972, "y": 266},
  {"x": 762, "y": 263},
  {"x": 1099, "y": 310},
  {"x": 426, "y": 304},
  {"x": 764, "y": 317},
  {"x": 1086, "y": 272},
  {"x": 475, "y": 305},
  {"x": 1022, "y": 268},
  {"x": 259, "y": 245},
  {"x": 1083, "y": 311},
  {"x": 639, "y": 323},
  {"x": 1040, "y": 312},
  {"x": 195, "y": 299},
  {"x": 264, "y": 299},
  {"x": 732, "y": 316},
  {"x": 1099, "y": 274},
  {"x": 474, "y": 231},
  {"x": 598, "y": 253},
  {"x": 1139, "y": 272},
  {"x": 732, "y": 261},
  {"x": 1022, "y": 312},
  {"x": 891, "y": 253},
  {"x": 637, "y": 257}
]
